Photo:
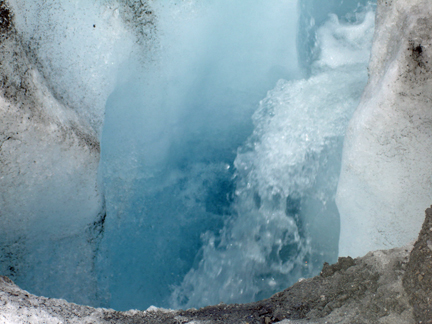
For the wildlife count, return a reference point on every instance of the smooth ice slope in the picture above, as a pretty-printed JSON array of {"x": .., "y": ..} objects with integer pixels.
[{"x": 386, "y": 179}]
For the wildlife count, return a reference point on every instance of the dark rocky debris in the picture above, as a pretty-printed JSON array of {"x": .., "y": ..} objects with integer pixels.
[
  {"x": 5, "y": 17},
  {"x": 417, "y": 280}
]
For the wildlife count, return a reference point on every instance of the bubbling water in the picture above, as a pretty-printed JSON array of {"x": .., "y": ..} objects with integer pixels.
[{"x": 286, "y": 222}]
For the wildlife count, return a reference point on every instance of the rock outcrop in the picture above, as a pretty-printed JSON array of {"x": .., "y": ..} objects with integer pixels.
[{"x": 417, "y": 279}]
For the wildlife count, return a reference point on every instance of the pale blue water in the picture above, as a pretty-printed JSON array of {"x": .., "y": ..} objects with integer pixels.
[{"x": 199, "y": 210}]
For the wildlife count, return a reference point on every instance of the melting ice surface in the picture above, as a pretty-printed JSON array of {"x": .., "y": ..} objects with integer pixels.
[{"x": 204, "y": 203}]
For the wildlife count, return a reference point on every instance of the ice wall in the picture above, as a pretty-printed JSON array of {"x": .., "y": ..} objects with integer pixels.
[
  {"x": 58, "y": 64},
  {"x": 76, "y": 46},
  {"x": 386, "y": 172}
]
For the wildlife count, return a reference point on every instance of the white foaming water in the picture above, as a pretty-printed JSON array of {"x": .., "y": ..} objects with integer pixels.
[{"x": 286, "y": 177}]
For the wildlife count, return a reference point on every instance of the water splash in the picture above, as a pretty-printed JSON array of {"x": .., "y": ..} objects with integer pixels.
[{"x": 286, "y": 223}]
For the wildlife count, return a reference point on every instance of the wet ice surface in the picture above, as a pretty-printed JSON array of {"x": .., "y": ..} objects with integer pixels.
[{"x": 385, "y": 175}]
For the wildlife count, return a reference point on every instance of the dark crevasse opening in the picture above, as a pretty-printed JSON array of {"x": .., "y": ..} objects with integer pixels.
[{"x": 214, "y": 193}]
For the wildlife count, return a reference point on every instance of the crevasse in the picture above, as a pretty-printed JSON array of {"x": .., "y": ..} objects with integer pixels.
[
  {"x": 221, "y": 127},
  {"x": 210, "y": 215}
]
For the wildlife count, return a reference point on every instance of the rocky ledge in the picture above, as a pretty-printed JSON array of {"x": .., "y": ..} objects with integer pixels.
[{"x": 389, "y": 286}]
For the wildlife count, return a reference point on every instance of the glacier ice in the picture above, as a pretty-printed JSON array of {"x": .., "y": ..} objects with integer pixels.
[
  {"x": 77, "y": 46},
  {"x": 54, "y": 86},
  {"x": 385, "y": 180}
]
